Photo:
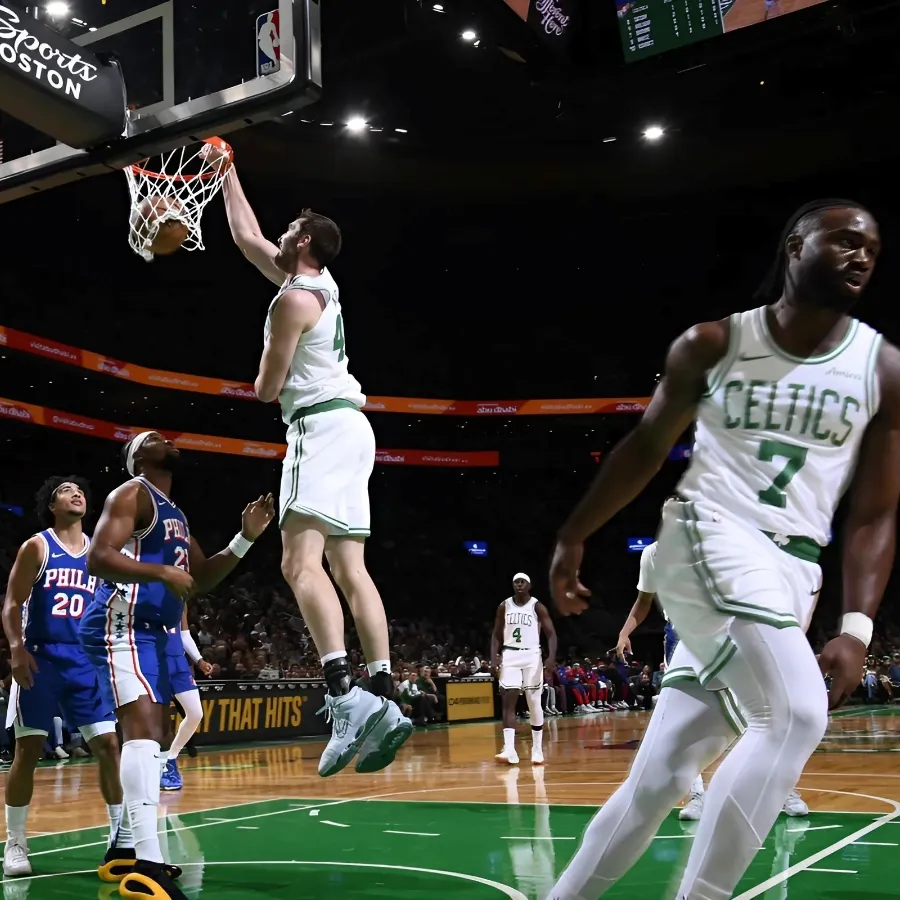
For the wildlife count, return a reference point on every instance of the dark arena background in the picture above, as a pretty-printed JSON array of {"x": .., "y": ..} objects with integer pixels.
[{"x": 536, "y": 197}]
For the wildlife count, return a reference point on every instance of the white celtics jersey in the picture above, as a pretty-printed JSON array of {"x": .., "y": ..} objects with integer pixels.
[
  {"x": 777, "y": 436},
  {"x": 521, "y": 629},
  {"x": 318, "y": 371}
]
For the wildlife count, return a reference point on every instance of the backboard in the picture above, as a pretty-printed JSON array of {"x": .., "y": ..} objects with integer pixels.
[{"x": 193, "y": 69}]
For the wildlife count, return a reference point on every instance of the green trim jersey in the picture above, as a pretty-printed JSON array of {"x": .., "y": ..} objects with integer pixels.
[
  {"x": 520, "y": 625},
  {"x": 777, "y": 437},
  {"x": 319, "y": 370}
]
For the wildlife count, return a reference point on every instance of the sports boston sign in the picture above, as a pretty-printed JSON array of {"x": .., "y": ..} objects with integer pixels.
[{"x": 55, "y": 86}]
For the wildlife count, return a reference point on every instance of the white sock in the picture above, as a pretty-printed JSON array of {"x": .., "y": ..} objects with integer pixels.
[
  {"x": 697, "y": 786},
  {"x": 193, "y": 716},
  {"x": 163, "y": 762},
  {"x": 509, "y": 739},
  {"x": 16, "y": 821},
  {"x": 328, "y": 657},
  {"x": 537, "y": 738},
  {"x": 114, "y": 811},
  {"x": 57, "y": 730},
  {"x": 380, "y": 665},
  {"x": 139, "y": 772},
  {"x": 124, "y": 837}
]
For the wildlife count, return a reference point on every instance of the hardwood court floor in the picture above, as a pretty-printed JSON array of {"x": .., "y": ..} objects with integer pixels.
[{"x": 446, "y": 821}]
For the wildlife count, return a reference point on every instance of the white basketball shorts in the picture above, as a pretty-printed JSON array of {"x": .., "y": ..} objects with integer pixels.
[
  {"x": 712, "y": 568},
  {"x": 521, "y": 670},
  {"x": 326, "y": 472}
]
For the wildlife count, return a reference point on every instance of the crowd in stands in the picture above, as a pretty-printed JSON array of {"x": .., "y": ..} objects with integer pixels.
[{"x": 250, "y": 628}]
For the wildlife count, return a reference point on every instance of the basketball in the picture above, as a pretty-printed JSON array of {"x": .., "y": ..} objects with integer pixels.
[{"x": 171, "y": 234}]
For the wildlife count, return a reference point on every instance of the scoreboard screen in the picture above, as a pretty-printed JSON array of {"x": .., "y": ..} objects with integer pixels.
[{"x": 648, "y": 27}]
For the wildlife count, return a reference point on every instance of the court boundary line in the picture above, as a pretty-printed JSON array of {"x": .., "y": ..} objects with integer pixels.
[{"x": 825, "y": 852}]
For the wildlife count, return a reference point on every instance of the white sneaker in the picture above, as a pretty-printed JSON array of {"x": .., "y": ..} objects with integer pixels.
[
  {"x": 537, "y": 756},
  {"x": 60, "y": 753},
  {"x": 794, "y": 806},
  {"x": 510, "y": 757},
  {"x": 692, "y": 810},
  {"x": 353, "y": 717},
  {"x": 79, "y": 753},
  {"x": 385, "y": 739},
  {"x": 15, "y": 858}
]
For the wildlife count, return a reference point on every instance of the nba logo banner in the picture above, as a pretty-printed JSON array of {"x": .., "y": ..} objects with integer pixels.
[{"x": 268, "y": 44}]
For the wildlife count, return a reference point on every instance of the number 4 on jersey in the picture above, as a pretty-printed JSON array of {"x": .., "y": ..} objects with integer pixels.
[
  {"x": 517, "y": 635},
  {"x": 339, "y": 337}
]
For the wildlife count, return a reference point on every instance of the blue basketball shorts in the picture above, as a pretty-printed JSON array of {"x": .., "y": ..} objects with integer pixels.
[
  {"x": 670, "y": 641},
  {"x": 181, "y": 678},
  {"x": 64, "y": 683}
]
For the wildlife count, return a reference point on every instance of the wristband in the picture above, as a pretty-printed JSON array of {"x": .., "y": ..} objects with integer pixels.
[
  {"x": 858, "y": 625},
  {"x": 193, "y": 652},
  {"x": 239, "y": 545}
]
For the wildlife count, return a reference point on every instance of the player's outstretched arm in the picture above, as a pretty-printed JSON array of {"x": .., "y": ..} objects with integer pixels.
[
  {"x": 246, "y": 231},
  {"x": 295, "y": 313},
  {"x": 870, "y": 535},
  {"x": 549, "y": 629},
  {"x": 21, "y": 580},
  {"x": 126, "y": 507},
  {"x": 210, "y": 571},
  {"x": 637, "y": 458}
]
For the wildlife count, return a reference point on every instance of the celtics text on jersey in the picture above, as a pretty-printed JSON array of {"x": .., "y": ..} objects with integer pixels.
[{"x": 777, "y": 436}]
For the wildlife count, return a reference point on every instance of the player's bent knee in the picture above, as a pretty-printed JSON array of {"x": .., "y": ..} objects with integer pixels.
[
  {"x": 105, "y": 747},
  {"x": 30, "y": 746},
  {"x": 808, "y": 715},
  {"x": 298, "y": 567}
]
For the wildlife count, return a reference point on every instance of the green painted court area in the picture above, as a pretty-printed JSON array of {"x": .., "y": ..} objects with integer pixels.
[{"x": 296, "y": 849}]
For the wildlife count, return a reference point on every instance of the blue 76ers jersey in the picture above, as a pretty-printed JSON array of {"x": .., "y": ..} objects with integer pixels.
[
  {"x": 63, "y": 589},
  {"x": 164, "y": 542}
]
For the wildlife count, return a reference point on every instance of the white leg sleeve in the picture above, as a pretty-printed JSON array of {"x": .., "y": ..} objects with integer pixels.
[{"x": 687, "y": 731}]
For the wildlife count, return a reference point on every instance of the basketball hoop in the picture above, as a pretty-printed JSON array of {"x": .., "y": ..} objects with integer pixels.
[{"x": 169, "y": 193}]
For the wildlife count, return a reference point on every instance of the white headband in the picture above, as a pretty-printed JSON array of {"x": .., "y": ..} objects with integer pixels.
[
  {"x": 133, "y": 448},
  {"x": 521, "y": 575}
]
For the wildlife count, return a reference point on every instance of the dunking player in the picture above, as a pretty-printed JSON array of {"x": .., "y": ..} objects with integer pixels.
[
  {"x": 180, "y": 648},
  {"x": 792, "y": 402},
  {"x": 149, "y": 563},
  {"x": 675, "y": 676},
  {"x": 48, "y": 590},
  {"x": 324, "y": 504},
  {"x": 517, "y": 630}
]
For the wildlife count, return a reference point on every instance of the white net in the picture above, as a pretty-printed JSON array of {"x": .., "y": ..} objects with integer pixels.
[{"x": 169, "y": 193}]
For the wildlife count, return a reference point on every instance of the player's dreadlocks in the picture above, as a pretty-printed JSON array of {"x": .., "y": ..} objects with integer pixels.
[
  {"x": 771, "y": 289},
  {"x": 47, "y": 494}
]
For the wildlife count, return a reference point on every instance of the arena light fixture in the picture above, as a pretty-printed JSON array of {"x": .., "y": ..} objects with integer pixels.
[
  {"x": 469, "y": 35},
  {"x": 356, "y": 124},
  {"x": 654, "y": 132},
  {"x": 438, "y": 7},
  {"x": 57, "y": 8}
]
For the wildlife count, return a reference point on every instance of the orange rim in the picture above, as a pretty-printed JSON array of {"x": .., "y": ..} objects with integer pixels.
[{"x": 217, "y": 142}]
